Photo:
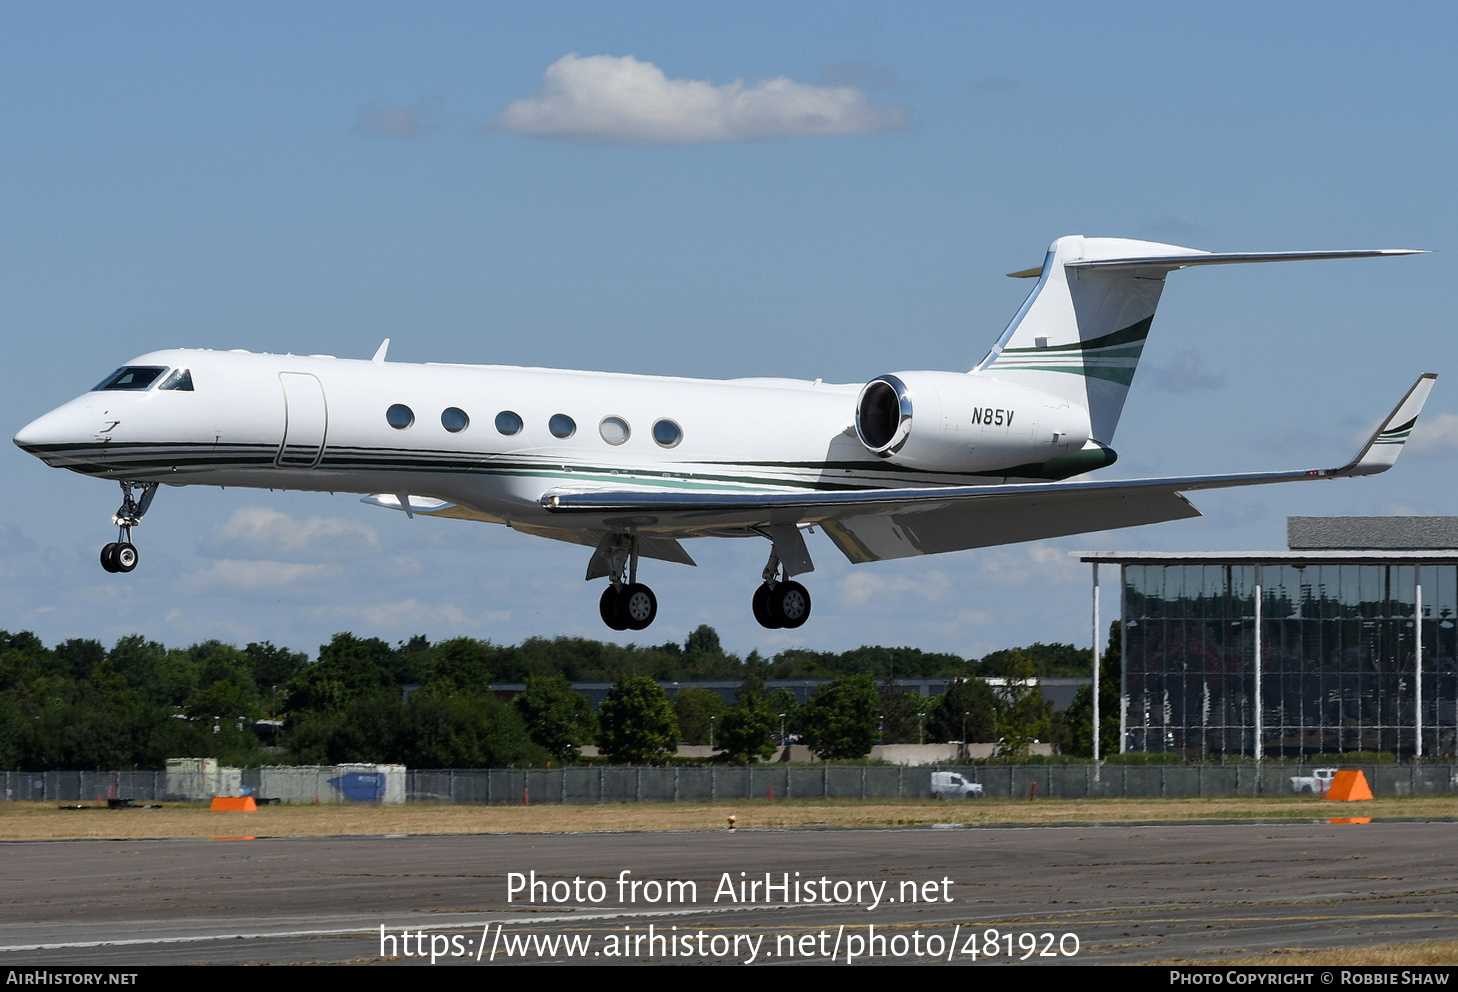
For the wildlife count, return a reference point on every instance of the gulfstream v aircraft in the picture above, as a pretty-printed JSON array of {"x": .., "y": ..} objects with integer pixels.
[{"x": 628, "y": 466}]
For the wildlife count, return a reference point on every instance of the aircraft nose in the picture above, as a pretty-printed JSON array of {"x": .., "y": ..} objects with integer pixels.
[
  {"x": 36, "y": 434},
  {"x": 50, "y": 436}
]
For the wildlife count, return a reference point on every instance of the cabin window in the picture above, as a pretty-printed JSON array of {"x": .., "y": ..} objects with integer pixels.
[
  {"x": 667, "y": 433},
  {"x": 400, "y": 416},
  {"x": 132, "y": 377},
  {"x": 508, "y": 423},
  {"x": 454, "y": 419},
  {"x": 181, "y": 380},
  {"x": 562, "y": 426},
  {"x": 614, "y": 430}
]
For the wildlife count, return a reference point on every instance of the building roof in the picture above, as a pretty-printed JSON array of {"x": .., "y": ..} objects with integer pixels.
[
  {"x": 1330, "y": 540},
  {"x": 1372, "y": 533},
  {"x": 1269, "y": 557}
]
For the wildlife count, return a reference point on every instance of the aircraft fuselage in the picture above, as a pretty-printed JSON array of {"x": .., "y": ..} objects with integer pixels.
[{"x": 494, "y": 438}]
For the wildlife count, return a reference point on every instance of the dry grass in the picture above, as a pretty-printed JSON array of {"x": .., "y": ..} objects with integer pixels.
[{"x": 37, "y": 821}]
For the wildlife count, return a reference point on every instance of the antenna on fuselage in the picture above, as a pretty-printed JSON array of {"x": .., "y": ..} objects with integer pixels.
[{"x": 380, "y": 352}]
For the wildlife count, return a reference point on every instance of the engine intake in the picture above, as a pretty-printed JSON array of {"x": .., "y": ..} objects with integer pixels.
[{"x": 883, "y": 415}]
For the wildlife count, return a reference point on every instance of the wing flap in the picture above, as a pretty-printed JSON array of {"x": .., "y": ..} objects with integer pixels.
[
  {"x": 649, "y": 546},
  {"x": 958, "y": 527}
]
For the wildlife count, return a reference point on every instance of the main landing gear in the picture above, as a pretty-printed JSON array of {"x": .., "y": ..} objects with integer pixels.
[
  {"x": 121, "y": 555},
  {"x": 628, "y": 606},
  {"x": 780, "y": 602},
  {"x": 626, "y": 603}
]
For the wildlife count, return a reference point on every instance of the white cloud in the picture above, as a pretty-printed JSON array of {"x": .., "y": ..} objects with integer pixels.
[
  {"x": 260, "y": 532},
  {"x": 860, "y": 589},
  {"x": 1434, "y": 434},
  {"x": 1187, "y": 372},
  {"x": 622, "y": 100},
  {"x": 386, "y": 615},
  {"x": 1400, "y": 510},
  {"x": 1016, "y": 566},
  {"x": 414, "y": 121},
  {"x": 233, "y": 576}
]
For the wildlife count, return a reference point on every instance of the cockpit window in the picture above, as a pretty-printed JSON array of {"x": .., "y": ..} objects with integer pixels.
[
  {"x": 181, "y": 380},
  {"x": 132, "y": 377}
]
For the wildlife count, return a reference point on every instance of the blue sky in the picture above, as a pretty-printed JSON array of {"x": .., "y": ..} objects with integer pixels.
[{"x": 314, "y": 178}]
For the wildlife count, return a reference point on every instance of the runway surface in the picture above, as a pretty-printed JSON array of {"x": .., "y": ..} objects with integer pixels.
[{"x": 1050, "y": 894}]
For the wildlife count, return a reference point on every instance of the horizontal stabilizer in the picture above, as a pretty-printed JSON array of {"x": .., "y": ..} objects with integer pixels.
[{"x": 1182, "y": 260}]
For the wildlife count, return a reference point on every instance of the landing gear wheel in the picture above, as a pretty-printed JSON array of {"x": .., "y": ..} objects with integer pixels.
[
  {"x": 607, "y": 608},
  {"x": 125, "y": 557},
  {"x": 761, "y": 608},
  {"x": 789, "y": 604},
  {"x": 108, "y": 557},
  {"x": 637, "y": 606}
]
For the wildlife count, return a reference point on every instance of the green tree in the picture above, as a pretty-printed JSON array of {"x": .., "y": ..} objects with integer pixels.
[
  {"x": 635, "y": 722},
  {"x": 557, "y": 718},
  {"x": 748, "y": 730},
  {"x": 273, "y": 666},
  {"x": 1075, "y": 728},
  {"x": 444, "y": 728},
  {"x": 1047, "y": 660},
  {"x": 697, "y": 711},
  {"x": 842, "y": 719},
  {"x": 965, "y": 712},
  {"x": 1023, "y": 716},
  {"x": 77, "y": 658},
  {"x": 703, "y": 640},
  {"x": 901, "y": 715}
]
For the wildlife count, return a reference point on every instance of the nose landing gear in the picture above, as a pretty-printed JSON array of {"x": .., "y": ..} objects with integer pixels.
[{"x": 121, "y": 555}]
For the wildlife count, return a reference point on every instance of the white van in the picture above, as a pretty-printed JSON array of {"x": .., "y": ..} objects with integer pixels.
[{"x": 952, "y": 785}]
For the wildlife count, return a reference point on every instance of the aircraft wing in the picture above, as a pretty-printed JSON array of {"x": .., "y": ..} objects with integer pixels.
[{"x": 870, "y": 525}]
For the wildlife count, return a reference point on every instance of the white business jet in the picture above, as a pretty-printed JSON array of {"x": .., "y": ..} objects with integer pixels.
[{"x": 911, "y": 463}]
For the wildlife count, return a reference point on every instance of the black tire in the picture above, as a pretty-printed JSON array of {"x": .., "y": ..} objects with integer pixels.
[
  {"x": 789, "y": 604},
  {"x": 125, "y": 557},
  {"x": 761, "y": 608},
  {"x": 108, "y": 557},
  {"x": 637, "y": 606},
  {"x": 607, "y": 608}
]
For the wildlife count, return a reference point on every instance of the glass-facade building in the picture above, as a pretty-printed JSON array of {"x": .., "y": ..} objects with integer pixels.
[{"x": 1290, "y": 654}]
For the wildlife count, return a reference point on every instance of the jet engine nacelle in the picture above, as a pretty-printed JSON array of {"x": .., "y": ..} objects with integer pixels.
[{"x": 964, "y": 423}]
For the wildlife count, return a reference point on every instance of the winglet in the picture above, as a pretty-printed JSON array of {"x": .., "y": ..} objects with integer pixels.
[
  {"x": 1381, "y": 451},
  {"x": 380, "y": 352}
]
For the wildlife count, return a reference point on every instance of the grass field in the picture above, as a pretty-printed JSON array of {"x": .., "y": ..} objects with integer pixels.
[{"x": 37, "y": 821}]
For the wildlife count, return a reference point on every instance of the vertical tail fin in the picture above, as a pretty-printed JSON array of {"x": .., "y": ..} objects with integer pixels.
[{"x": 1081, "y": 331}]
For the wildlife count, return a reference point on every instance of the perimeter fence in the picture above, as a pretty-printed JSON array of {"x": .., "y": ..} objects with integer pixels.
[{"x": 588, "y": 784}]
